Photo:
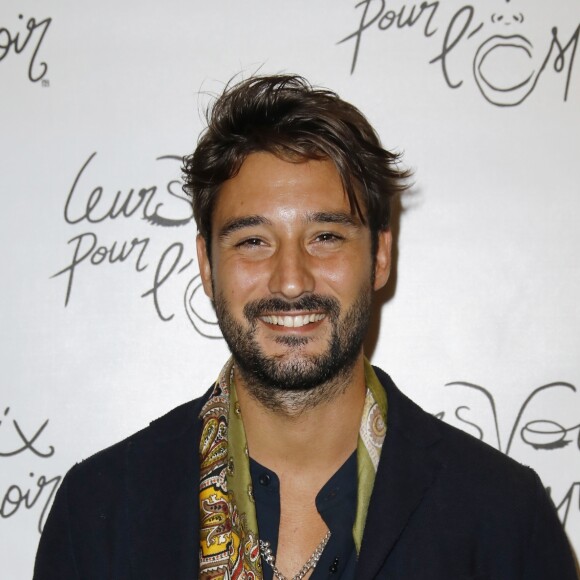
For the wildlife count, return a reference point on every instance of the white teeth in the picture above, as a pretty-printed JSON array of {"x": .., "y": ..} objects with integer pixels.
[{"x": 293, "y": 321}]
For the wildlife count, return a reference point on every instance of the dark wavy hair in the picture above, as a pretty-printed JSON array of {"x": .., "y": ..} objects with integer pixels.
[{"x": 286, "y": 116}]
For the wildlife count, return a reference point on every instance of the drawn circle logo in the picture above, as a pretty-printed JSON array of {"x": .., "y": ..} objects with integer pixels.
[
  {"x": 491, "y": 78},
  {"x": 25, "y": 38},
  {"x": 199, "y": 310}
]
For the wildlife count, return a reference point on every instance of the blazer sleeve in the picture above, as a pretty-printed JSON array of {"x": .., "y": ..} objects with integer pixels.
[
  {"x": 549, "y": 554},
  {"x": 55, "y": 557}
]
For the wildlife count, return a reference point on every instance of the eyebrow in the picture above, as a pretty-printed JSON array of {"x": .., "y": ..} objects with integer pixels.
[
  {"x": 338, "y": 217},
  {"x": 236, "y": 224}
]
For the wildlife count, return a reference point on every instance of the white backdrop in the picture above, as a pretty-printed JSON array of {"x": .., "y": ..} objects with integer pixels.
[{"x": 103, "y": 324}]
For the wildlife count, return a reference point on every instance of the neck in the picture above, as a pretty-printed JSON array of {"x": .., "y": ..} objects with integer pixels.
[{"x": 318, "y": 432}]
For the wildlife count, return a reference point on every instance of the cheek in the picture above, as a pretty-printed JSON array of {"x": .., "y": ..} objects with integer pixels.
[
  {"x": 345, "y": 275},
  {"x": 238, "y": 281}
]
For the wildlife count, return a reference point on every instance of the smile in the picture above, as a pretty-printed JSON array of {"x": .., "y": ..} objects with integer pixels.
[{"x": 293, "y": 321}]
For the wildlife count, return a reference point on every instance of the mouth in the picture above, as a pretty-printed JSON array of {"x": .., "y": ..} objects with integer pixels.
[
  {"x": 504, "y": 70},
  {"x": 293, "y": 320}
]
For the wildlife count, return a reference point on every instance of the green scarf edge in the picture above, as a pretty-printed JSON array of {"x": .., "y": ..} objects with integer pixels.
[{"x": 366, "y": 470}]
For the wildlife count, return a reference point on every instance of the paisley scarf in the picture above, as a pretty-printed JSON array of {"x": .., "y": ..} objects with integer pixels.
[{"x": 229, "y": 546}]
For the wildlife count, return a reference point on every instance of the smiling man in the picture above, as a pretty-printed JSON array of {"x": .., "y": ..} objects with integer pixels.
[{"x": 302, "y": 460}]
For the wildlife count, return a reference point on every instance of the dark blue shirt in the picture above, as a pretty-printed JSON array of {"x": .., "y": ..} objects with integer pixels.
[{"x": 336, "y": 504}]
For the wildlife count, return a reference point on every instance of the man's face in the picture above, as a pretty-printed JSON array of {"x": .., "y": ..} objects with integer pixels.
[{"x": 291, "y": 274}]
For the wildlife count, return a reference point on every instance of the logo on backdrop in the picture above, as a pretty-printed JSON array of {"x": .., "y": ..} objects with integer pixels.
[
  {"x": 158, "y": 208},
  {"x": 507, "y": 59},
  {"x": 533, "y": 433},
  {"x": 23, "y": 40},
  {"x": 33, "y": 491}
]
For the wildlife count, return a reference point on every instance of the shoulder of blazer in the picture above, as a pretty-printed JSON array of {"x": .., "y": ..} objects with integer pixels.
[
  {"x": 458, "y": 451},
  {"x": 177, "y": 424}
]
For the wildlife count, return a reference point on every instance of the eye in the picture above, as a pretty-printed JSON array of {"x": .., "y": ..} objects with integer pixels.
[
  {"x": 329, "y": 238},
  {"x": 249, "y": 243}
]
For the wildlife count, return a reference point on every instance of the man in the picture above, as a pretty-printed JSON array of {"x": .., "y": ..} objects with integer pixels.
[{"x": 302, "y": 460}]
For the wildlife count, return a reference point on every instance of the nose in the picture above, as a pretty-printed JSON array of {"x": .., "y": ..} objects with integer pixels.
[{"x": 291, "y": 274}]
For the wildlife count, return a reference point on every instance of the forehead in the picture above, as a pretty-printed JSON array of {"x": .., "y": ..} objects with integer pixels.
[{"x": 280, "y": 190}]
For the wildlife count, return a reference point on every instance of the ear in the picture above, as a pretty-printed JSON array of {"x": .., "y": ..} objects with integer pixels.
[
  {"x": 383, "y": 259},
  {"x": 204, "y": 266}
]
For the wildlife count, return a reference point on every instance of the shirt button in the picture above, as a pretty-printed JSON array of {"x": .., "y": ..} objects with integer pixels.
[{"x": 264, "y": 479}]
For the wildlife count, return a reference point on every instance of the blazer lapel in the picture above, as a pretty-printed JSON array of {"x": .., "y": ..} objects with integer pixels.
[
  {"x": 407, "y": 469},
  {"x": 162, "y": 489}
]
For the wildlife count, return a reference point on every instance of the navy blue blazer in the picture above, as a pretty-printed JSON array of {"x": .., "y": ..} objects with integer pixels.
[{"x": 444, "y": 507}]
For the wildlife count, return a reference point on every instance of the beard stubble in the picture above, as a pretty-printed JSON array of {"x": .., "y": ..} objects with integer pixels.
[{"x": 296, "y": 380}]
